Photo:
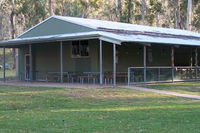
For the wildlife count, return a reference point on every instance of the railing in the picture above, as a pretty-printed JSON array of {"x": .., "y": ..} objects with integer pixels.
[
  {"x": 77, "y": 77},
  {"x": 160, "y": 74},
  {"x": 69, "y": 77}
]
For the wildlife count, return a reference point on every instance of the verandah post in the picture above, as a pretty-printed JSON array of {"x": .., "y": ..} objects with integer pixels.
[
  {"x": 31, "y": 64},
  {"x": 145, "y": 63},
  {"x": 100, "y": 63},
  {"x": 114, "y": 64},
  {"x": 172, "y": 62},
  {"x": 61, "y": 62},
  {"x": 196, "y": 63}
]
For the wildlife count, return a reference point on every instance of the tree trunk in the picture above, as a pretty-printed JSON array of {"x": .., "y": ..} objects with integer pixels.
[
  {"x": 143, "y": 11},
  {"x": 1, "y": 22},
  {"x": 51, "y": 7},
  {"x": 167, "y": 14},
  {"x": 1, "y": 2},
  {"x": 1, "y": 27},
  {"x": 86, "y": 10},
  {"x": 63, "y": 7},
  {"x": 13, "y": 32},
  {"x": 130, "y": 6},
  {"x": 118, "y": 5},
  {"x": 157, "y": 19},
  {"x": 177, "y": 15},
  {"x": 189, "y": 15}
]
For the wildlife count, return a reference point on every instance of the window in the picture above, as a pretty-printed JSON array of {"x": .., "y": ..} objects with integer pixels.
[{"x": 80, "y": 49}]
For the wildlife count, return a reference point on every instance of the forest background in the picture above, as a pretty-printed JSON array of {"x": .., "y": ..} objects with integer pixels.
[{"x": 16, "y": 16}]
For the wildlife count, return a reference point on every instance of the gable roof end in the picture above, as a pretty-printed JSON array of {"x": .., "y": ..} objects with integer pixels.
[{"x": 54, "y": 26}]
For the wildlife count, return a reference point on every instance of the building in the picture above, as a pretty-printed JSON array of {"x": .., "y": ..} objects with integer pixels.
[{"x": 69, "y": 49}]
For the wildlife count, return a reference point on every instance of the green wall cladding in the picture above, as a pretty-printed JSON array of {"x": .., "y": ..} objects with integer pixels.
[
  {"x": 158, "y": 55},
  {"x": 55, "y": 26},
  {"x": 46, "y": 57},
  {"x": 184, "y": 56}
]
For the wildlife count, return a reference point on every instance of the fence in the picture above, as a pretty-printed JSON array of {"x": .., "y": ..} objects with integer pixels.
[
  {"x": 76, "y": 77},
  {"x": 160, "y": 74}
]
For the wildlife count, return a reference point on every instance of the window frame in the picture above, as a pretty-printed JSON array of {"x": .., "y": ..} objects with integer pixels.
[{"x": 79, "y": 45}]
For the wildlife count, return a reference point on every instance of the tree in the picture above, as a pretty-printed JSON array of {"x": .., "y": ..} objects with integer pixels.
[
  {"x": 143, "y": 11},
  {"x": 63, "y": 7},
  {"x": 129, "y": 10},
  {"x": 118, "y": 5},
  {"x": 12, "y": 19},
  {"x": 158, "y": 11},
  {"x": 1, "y": 2},
  {"x": 189, "y": 15},
  {"x": 19, "y": 15},
  {"x": 167, "y": 15},
  {"x": 177, "y": 17},
  {"x": 33, "y": 11},
  {"x": 13, "y": 31},
  {"x": 196, "y": 16},
  {"x": 51, "y": 7}
]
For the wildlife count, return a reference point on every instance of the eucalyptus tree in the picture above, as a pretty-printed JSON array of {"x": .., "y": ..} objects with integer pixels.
[
  {"x": 12, "y": 19},
  {"x": 118, "y": 5},
  {"x": 13, "y": 31},
  {"x": 33, "y": 11},
  {"x": 189, "y": 15},
  {"x": 51, "y": 7},
  {"x": 177, "y": 17},
  {"x": 1, "y": 2},
  {"x": 143, "y": 11},
  {"x": 196, "y": 15}
]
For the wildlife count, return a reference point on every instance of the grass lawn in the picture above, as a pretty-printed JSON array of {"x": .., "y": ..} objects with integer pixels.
[
  {"x": 57, "y": 110},
  {"x": 187, "y": 88},
  {"x": 10, "y": 73}
]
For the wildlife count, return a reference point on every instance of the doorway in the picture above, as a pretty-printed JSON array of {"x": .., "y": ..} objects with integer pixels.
[{"x": 27, "y": 67}]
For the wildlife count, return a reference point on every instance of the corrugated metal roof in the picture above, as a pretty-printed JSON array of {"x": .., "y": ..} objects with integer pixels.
[
  {"x": 61, "y": 37},
  {"x": 115, "y": 32},
  {"x": 106, "y": 36},
  {"x": 99, "y": 24}
]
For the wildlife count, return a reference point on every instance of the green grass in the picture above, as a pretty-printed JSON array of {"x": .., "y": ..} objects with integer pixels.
[
  {"x": 186, "y": 88},
  {"x": 111, "y": 110},
  {"x": 9, "y": 73}
]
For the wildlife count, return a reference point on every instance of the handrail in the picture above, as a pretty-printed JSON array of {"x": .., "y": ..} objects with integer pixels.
[
  {"x": 167, "y": 67},
  {"x": 175, "y": 73}
]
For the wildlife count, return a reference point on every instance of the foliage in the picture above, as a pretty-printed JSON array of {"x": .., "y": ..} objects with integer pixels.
[{"x": 159, "y": 13}]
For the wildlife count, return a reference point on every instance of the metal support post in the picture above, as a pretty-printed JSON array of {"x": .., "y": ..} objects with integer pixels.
[
  {"x": 196, "y": 63},
  {"x": 114, "y": 64},
  {"x": 129, "y": 70},
  {"x": 100, "y": 63},
  {"x": 172, "y": 62},
  {"x": 145, "y": 63},
  {"x": 31, "y": 63},
  {"x": 61, "y": 62}
]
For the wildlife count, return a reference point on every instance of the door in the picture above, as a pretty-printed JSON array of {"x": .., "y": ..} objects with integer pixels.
[{"x": 27, "y": 67}]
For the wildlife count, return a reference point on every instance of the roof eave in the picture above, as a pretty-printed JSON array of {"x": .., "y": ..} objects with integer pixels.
[{"x": 81, "y": 36}]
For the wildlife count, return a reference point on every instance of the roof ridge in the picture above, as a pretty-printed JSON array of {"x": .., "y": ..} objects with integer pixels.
[
  {"x": 137, "y": 32},
  {"x": 122, "y": 23}
]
